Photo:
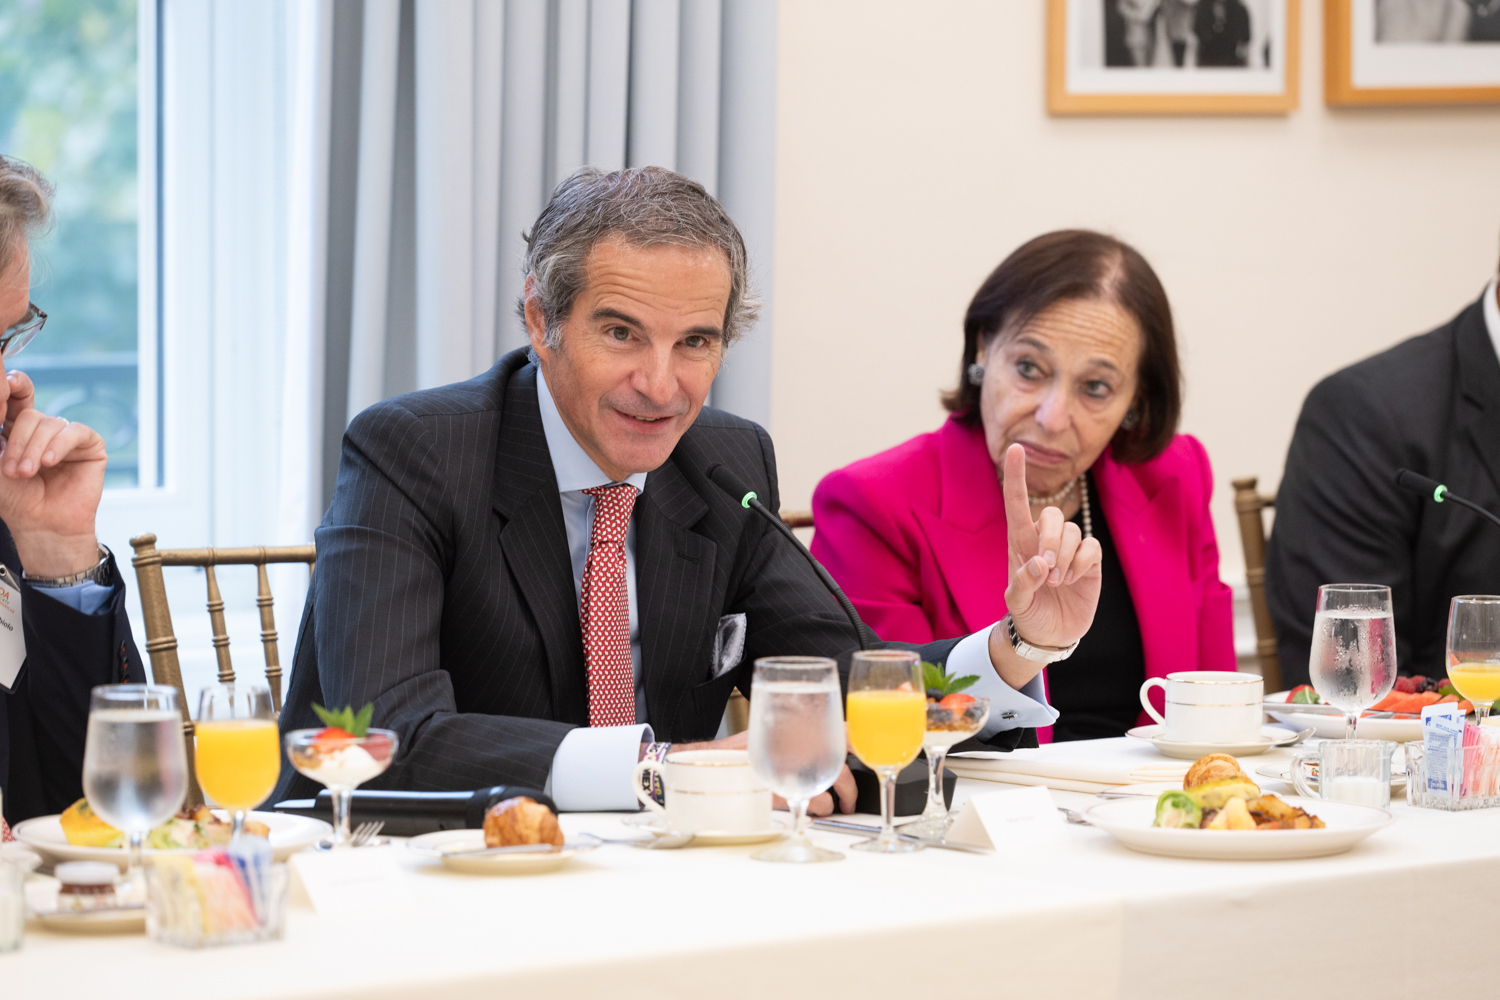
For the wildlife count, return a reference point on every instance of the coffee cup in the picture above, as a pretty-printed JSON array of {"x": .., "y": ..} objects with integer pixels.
[
  {"x": 707, "y": 791},
  {"x": 1208, "y": 706}
]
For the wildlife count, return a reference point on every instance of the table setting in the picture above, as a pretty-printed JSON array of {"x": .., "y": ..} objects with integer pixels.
[{"x": 1084, "y": 858}]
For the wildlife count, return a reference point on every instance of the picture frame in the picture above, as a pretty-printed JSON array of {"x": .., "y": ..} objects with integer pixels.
[
  {"x": 1173, "y": 57},
  {"x": 1411, "y": 52}
]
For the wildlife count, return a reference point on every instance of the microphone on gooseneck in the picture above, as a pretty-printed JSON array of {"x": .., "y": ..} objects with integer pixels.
[
  {"x": 1420, "y": 484},
  {"x": 745, "y": 496}
]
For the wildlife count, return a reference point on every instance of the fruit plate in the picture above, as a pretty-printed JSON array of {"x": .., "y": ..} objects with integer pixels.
[
  {"x": 1331, "y": 727},
  {"x": 1129, "y": 822},
  {"x": 443, "y": 843},
  {"x": 1270, "y": 736},
  {"x": 44, "y": 834},
  {"x": 656, "y": 826}
]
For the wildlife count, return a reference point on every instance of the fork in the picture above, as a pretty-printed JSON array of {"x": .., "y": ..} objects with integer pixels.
[{"x": 365, "y": 833}]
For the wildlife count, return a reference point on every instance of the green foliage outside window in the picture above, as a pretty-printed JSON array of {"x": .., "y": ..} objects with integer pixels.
[{"x": 68, "y": 94}]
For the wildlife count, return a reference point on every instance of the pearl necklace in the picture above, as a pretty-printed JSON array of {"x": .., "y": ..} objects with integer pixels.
[{"x": 1082, "y": 484}]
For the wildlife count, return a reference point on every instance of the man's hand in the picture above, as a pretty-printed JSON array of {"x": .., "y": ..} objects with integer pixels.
[
  {"x": 819, "y": 805},
  {"x": 1055, "y": 576},
  {"x": 51, "y": 479}
]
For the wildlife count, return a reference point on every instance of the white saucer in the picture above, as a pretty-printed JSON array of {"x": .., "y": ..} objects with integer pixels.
[
  {"x": 443, "y": 843},
  {"x": 654, "y": 824},
  {"x": 1281, "y": 772},
  {"x": 1270, "y": 736},
  {"x": 131, "y": 920}
]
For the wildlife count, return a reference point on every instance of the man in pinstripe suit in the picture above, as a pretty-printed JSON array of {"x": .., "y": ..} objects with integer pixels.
[{"x": 527, "y": 572}]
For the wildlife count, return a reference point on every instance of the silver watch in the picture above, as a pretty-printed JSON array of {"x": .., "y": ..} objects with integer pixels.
[
  {"x": 97, "y": 573},
  {"x": 1026, "y": 651}
]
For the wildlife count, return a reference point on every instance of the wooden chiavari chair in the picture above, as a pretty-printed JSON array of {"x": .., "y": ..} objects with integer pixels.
[
  {"x": 161, "y": 642},
  {"x": 1249, "y": 504}
]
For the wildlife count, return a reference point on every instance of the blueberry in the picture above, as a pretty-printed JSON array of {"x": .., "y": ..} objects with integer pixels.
[{"x": 935, "y": 693}]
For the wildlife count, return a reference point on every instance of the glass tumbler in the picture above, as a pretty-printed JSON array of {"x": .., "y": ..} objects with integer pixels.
[{"x": 1353, "y": 771}]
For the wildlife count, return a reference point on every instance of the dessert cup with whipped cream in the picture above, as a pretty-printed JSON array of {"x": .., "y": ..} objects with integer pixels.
[{"x": 341, "y": 763}]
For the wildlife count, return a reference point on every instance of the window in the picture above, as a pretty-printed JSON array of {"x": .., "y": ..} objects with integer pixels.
[{"x": 69, "y": 106}]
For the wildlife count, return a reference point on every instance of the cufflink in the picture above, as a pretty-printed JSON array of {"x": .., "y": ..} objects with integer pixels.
[{"x": 1007, "y": 715}]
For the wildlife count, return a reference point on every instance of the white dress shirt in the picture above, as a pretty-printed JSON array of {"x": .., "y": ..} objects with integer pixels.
[{"x": 592, "y": 767}]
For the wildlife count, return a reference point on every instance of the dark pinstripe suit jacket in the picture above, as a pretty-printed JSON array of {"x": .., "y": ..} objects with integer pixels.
[{"x": 444, "y": 592}]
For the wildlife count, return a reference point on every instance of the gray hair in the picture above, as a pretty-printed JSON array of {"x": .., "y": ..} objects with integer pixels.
[
  {"x": 644, "y": 207},
  {"x": 25, "y": 207}
]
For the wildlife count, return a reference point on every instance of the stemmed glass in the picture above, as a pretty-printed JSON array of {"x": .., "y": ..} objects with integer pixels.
[
  {"x": 1474, "y": 650},
  {"x": 887, "y": 715},
  {"x": 796, "y": 741},
  {"x": 946, "y": 727},
  {"x": 1353, "y": 659},
  {"x": 239, "y": 749},
  {"x": 342, "y": 764},
  {"x": 134, "y": 764}
]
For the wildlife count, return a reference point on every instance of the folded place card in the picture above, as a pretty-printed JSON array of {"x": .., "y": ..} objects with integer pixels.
[
  {"x": 357, "y": 880},
  {"x": 1019, "y": 818}
]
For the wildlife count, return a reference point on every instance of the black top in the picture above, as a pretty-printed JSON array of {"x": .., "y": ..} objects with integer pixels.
[
  {"x": 1098, "y": 688},
  {"x": 1430, "y": 404}
]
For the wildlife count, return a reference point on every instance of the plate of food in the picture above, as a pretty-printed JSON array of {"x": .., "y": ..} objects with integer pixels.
[
  {"x": 1221, "y": 815},
  {"x": 1397, "y": 717},
  {"x": 80, "y": 835},
  {"x": 520, "y": 837}
]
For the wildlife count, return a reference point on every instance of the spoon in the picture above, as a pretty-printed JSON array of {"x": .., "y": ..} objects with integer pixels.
[{"x": 667, "y": 841}]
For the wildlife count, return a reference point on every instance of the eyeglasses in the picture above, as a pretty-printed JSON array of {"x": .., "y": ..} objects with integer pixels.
[{"x": 15, "y": 338}]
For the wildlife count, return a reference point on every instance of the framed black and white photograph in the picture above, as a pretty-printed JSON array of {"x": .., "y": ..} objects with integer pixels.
[
  {"x": 1172, "y": 56},
  {"x": 1412, "y": 52}
]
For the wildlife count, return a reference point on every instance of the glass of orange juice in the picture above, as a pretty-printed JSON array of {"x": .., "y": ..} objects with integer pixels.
[
  {"x": 887, "y": 716},
  {"x": 1474, "y": 650},
  {"x": 238, "y": 747}
]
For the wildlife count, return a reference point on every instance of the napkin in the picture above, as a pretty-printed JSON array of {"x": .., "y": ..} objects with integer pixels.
[{"x": 1090, "y": 766}]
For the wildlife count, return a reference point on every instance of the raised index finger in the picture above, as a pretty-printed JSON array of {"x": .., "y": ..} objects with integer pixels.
[
  {"x": 21, "y": 395},
  {"x": 1018, "y": 521}
]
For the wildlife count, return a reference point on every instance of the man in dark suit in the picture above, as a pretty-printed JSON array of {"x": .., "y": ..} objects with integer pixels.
[
  {"x": 526, "y": 573},
  {"x": 63, "y": 582},
  {"x": 1430, "y": 404}
]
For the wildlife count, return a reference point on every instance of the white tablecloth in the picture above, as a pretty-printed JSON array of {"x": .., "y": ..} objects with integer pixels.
[{"x": 1085, "y": 919}]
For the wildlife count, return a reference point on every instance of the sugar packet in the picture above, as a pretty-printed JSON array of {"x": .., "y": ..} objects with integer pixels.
[{"x": 1442, "y": 745}]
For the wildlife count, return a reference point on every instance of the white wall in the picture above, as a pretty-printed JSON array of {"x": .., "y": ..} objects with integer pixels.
[{"x": 915, "y": 152}]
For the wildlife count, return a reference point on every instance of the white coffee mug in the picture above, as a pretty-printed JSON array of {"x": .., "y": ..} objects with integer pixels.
[
  {"x": 708, "y": 791},
  {"x": 1208, "y": 706}
]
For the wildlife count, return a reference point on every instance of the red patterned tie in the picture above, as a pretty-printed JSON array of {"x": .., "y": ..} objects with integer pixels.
[{"x": 605, "y": 609}]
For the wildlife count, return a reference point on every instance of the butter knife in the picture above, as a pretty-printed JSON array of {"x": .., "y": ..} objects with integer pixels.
[{"x": 839, "y": 826}]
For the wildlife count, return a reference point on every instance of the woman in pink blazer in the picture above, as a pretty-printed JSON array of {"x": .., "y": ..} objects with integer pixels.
[{"x": 1069, "y": 352}]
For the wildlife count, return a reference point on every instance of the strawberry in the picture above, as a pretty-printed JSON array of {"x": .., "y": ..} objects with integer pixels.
[
  {"x": 330, "y": 738},
  {"x": 350, "y": 724},
  {"x": 377, "y": 746},
  {"x": 958, "y": 704}
]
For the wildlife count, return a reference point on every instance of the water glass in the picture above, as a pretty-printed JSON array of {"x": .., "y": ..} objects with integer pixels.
[
  {"x": 1354, "y": 771},
  {"x": 887, "y": 714},
  {"x": 12, "y": 905},
  {"x": 238, "y": 747},
  {"x": 796, "y": 741},
  {"x": 1474, "y": 650},
  {"x": 1353, "y": 660},
  {"x": 134, "y": 763}
]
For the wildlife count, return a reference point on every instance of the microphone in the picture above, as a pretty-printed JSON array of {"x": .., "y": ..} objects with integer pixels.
[
  {"x": 1416, "y": 483},
  {"x": 745, "y": 496}
]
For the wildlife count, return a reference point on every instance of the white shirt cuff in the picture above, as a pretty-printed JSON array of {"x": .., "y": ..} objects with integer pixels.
[
  {"x": 592, "y": 767},
  {"x": 1009, "y": 708}
]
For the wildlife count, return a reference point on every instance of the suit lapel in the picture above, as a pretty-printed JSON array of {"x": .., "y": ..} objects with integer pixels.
[
  {"x": 674, "y": 583},
  {"x": 535, "y": 543},
  {"x": 1478, "y": 375},
  {"x": 968, "y": 534}
]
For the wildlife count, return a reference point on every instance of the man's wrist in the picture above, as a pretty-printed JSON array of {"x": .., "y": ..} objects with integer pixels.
[
  {"x": 48, "y": 555},
  {"x": 1013, "y": 669}
]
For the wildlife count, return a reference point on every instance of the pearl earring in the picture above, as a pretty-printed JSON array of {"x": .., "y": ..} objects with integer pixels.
[
  {"x": 976, "y": 374},
  {"x": 1132, "y": 419}
]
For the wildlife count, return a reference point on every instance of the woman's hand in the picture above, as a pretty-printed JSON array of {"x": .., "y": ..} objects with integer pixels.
[{"x": 1054, "y": 571}]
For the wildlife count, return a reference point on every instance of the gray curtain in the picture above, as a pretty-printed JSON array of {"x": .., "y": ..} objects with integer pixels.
[{"x": 450, "y": 121}]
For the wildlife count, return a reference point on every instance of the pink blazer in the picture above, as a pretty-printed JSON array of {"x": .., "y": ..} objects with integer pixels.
[{"x": 916, "y": 536}]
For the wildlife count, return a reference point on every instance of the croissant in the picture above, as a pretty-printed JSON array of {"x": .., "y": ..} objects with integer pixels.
[
  {"x": 1214, "y": 767},
  {"x": 521, "y": 821}
]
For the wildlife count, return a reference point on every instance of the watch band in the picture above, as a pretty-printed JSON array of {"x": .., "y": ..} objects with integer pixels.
[
  {"x": 1039, "y": 654},
  {"x": 94, "y": 574}
]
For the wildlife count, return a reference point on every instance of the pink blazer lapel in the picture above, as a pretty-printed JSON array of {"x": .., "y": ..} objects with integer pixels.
[
  {"x": 1150, "y": 536},
  {"x": 967, "y": 535}
]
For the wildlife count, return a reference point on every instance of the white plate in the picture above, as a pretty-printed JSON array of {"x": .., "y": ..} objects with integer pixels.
[
  {"x": 1129, "y": 822},
  {"x": 130, "y": 921},
  {"x": 442, "y": 842},
  {"x": 44, "y": 834},
  {"x": 1331, "y": 727},
  {"x": 1270, "y": 736},
  {"x": 1282, "y": 772},
  {"x": 657, "y": 826}
]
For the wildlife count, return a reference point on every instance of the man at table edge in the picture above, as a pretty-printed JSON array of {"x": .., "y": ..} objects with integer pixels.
[{"x": 443, "y": 594}]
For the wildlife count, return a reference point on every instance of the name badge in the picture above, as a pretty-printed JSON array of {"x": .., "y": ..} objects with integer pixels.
[{"x": 12, "y": 636}]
